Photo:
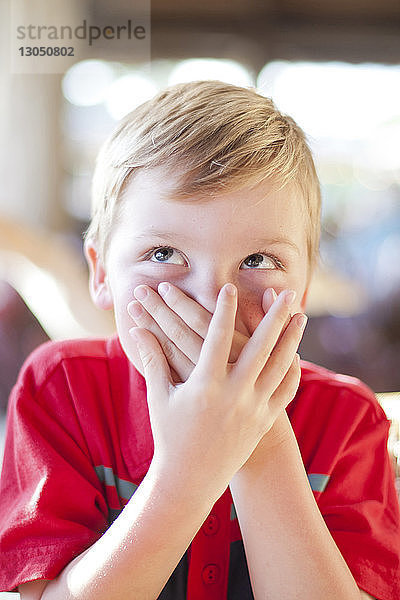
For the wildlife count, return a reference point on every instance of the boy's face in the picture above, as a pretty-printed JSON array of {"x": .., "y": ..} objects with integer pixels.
[{"x": 254, "y": 238}]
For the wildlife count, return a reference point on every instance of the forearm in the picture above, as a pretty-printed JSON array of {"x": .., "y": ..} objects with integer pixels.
[
  {"x": 289, "y": 549},
  {"x": 138, "y": 553}
]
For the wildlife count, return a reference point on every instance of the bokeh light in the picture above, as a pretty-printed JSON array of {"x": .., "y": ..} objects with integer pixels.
[
  {"x": 87, "y": 82},
  {"x": 334, "y": 100},
  {"x": 127, "y": 92},
  {"x": 194, "y": 69}
]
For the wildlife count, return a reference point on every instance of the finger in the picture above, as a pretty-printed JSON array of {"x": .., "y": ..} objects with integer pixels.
[
  {"x": 197, "y": 318},
  {"x": 240, "y": 339},
  {"x": 287, "y": 389},
  {"x": 178, "y": 361},
  {"x": 173, "y": 326},
  {"x": 217, "y": 344},
  {"x": 258, "y": 349},
  {"x": 156, "y": 370},
  {"x": 282, "y": 356},
  {"x": 191, "y": 312},
  {"x": 268, "y": 299}
]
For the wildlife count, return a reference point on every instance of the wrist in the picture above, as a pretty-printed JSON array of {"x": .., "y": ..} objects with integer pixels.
[
  {"x": 181, "y": 486},
  {"x": 279, "y": 436}
]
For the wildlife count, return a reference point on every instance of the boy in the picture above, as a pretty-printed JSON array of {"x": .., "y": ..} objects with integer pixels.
[{"x": 203, "y": 240}]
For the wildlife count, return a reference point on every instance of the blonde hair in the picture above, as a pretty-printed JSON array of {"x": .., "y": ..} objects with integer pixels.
[{"x": 219, "y": 137}]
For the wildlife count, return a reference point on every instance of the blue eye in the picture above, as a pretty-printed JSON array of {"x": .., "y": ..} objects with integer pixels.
[
  {"x": 258, "y": 261},
  {"x": 165, "y": 254},
  {"x": 170, "y": 256}
]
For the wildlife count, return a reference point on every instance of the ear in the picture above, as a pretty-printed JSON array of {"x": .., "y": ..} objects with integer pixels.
[{"x": 99, "y": 288}]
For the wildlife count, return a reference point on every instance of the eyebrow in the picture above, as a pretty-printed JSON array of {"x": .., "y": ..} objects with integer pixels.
[
  {"x": 277, "y": 241},
  {"x": 259, "y": 242}
]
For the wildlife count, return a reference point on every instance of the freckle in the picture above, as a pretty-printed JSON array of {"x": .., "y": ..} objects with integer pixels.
[
  {"x": 245, "y": 302},
  {"x": 250, "y": 311}
]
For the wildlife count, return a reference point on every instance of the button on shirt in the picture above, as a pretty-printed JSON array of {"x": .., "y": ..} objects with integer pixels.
[
  {"x": 211, "y": 525},
  {"x": 211, "y": 574},
  {"x": 209, "y": 554}
]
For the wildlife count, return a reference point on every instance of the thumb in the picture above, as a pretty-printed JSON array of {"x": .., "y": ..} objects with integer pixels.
[{"x": 155, "y": 366}]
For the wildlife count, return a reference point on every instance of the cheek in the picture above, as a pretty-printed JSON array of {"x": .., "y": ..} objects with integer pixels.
[
  {"x": 249, "y": 312},
  {"x": 123, "y": 287},
  {"x": 123, "y": 295}
]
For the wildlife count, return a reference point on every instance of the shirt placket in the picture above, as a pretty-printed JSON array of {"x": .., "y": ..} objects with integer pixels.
[{"x": 209, "y": 554}]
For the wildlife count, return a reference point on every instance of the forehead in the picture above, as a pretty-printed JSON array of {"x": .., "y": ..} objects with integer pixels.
[{"x": 150, "y": 203}]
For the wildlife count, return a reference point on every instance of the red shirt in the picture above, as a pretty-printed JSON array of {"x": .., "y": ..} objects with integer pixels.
[{"x": 79, "y": 442}]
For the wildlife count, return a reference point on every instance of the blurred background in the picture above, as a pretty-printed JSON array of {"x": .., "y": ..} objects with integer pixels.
[{"x": 334, "y": 66}]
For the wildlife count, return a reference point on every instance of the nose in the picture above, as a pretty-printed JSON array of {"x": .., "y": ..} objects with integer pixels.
[{"x": 205, "y": 288}]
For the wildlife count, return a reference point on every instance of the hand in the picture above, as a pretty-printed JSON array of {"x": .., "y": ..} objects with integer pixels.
[
  {"x": 180, "y": 325},
  {"x": 223, "y": 409}
]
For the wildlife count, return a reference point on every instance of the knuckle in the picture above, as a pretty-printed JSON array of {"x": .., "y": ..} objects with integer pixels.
[
  {"x": 199, "y": 324},
  {"x": 261, "y": 360},
  {"x": 169, "y": 350},
  {"x": 172, "y": 300},
  {"x": 279, "y": 365},
  {"x": 147, "y": 359},
  {"x": 292, "y": 381},
  {"x": 156, "y": 311},
  {"x": 177, "y": 333},
  {"x": 219, "y": 332},
  {"x": 284, "y": 314}
]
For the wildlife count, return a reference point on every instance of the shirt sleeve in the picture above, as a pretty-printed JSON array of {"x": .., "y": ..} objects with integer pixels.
[
  {"x": 361, "y": 507},
  {"x": 51, "y": 503}
]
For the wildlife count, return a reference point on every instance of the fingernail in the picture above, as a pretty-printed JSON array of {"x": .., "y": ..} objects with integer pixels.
[
  {"x": 301, "y": 321},
  {"x": 163, "y": 288},
  {"x": 290, "y": 297},
  {"x": 134, "y": 309},
  {"x": 230, "y": 289},
  {"x": 140, "y": 292},
  {"x": 270, "y": 297}
]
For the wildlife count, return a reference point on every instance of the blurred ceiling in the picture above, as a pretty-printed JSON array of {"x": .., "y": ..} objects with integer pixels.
[{"x": 255, "y": 31}]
